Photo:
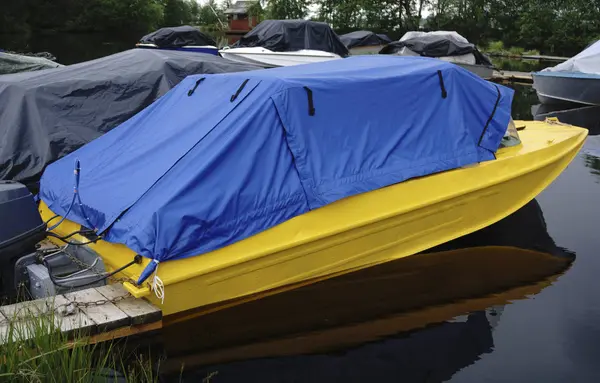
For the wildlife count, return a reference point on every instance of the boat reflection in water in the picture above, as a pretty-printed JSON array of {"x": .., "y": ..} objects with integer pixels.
[
  {"x": 585, "y": 116},
  {"x": 418, "y": 319}
]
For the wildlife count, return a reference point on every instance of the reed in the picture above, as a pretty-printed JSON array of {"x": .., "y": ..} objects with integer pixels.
[{"x": 35, "y": 350}]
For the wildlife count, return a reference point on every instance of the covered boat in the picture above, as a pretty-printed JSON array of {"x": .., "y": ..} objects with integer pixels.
[
  {"x": 45, "y": 115},
  {"x": 444, "y": 45},
  {"x": 183, "y": 38},
  {"x": 237, "y": 185},
  {"x": 274, "y": 43},
  {"x": 364, "y": 42},
  {"x": 576, "y": 80},
  {"x": 15, "y": 63}
]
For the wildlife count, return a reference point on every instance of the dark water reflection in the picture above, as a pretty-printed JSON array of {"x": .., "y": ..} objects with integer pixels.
[{"x": 69, "y": 48}]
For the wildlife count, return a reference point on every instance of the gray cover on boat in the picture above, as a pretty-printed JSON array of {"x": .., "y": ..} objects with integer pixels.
[
  {"x": 15, "y": 63},
  {"x": 45, "y": 115},
  {"x": 363, "y": 39},
  {"x": 437, "y": 45},
  {"x": 293, "y": 35},
  {"x": 174, "y": 37}
]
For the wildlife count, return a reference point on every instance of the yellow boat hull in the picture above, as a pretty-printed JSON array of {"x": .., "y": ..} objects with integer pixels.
[
  {"x": 364, "y": 306},
  {"x": 359, "y": 231}
]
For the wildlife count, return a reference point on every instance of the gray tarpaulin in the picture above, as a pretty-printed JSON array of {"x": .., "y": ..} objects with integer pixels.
[
  {"x": 15, "y": 63},
  {"x": 45, "y": 115}
]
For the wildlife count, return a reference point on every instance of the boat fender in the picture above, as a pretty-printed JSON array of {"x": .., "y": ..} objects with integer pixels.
[
  {"x": 311, "y": 106},
  {"x": 191, "y": 91},
  {"x": 233, "y": 97},
  {"x": 444, "y": 93}
]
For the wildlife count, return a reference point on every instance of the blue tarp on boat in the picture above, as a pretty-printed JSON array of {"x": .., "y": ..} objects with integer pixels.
[{"x": 222, "y": 157}]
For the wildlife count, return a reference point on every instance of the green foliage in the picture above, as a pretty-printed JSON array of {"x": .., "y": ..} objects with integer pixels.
[
  {"x": 106, "y": 16},
  {"x": 556, "y": 27},
  {"x": 553, "y": 27},
  {"x": 38, "y": 352}
]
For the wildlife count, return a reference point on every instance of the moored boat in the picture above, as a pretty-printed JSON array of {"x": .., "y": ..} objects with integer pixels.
[
  {"x": 15, "y": 63},
  {"x": 275, "y": 43},
  {"x": 184, "y": 38},
  {"x": 75, "y": 104},
  {"x": 444, "y": 45},
  {"x": 364, "y": 42},
  {"x": 269, "y": 59},
  {"x": 576, "y": 80},
  {"x": 288, "y": 177}
]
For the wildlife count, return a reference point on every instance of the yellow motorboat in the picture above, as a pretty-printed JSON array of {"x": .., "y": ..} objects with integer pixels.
[{"x": 355, "y": 232}]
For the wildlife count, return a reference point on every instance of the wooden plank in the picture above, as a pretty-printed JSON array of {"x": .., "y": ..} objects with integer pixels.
[
  {"x": 4, "y": 327},
  {"x": 509, "y": 76},
  {"x": 18, "y": 319},
  {"x": 125, "y": 332},
  {"x": 25, "y": 310},
  {"x": 69, "y": 313},
  {"x": 139, "y": 310},
  {"x": 528, "y": 57},
  {"x": 25, "y": 316},
  {"x": 77, "y": 321},
  {"x": 106, "y": 316}
]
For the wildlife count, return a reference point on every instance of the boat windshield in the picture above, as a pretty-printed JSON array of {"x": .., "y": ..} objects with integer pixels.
[{"x": 511, "y": 137}]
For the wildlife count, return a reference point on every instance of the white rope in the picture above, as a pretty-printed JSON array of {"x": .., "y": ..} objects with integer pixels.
[{"x": 157, "y": 285}]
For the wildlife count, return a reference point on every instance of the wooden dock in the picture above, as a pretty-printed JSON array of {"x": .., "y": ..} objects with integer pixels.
[
  {"x": 102, "y": 313},
  {"x": 512, "y": 77},
  {"x": 529, "y": 57}
]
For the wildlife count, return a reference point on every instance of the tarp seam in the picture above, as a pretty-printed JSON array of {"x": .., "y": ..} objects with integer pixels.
[
  {"x": 114, "y": 216},
  {"x": 287, "y": 145}
]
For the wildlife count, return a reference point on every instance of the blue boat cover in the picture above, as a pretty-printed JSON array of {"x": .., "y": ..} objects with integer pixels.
[{"x": 222, "y": 157}]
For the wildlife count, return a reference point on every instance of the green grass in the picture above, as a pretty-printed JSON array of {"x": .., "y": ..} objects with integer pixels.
[
  {"x": 498, "y": 47},
  {"x": 37, "y": 351}
]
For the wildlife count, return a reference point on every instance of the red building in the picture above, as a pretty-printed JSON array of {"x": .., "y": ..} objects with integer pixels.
[{"x": 240, "y": 22}]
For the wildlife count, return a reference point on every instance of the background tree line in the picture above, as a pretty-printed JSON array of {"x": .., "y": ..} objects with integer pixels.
[
  {"x": 105, "y": 16},
  {"x": 560, "y": 27}
]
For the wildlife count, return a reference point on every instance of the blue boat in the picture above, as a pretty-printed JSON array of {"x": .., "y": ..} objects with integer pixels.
[{"x": 184, "y": 38}]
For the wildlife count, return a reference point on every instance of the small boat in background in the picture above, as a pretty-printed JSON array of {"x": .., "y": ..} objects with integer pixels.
[
  {"x": 269, "y": 59},
  {"x": 364, "y": 42},
  {"x": 576, "y": 80},
  {"x": 16, "y": 63},
  {"x": 183, "y": 38},
  {"x": 444, "y": 45},
  {"x": 275, "y": 43}
]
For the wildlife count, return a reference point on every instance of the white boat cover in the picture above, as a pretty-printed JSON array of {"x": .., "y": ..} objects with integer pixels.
[
  {"x": 587, "y": 61},
  {"x": 452, "y": 35}
]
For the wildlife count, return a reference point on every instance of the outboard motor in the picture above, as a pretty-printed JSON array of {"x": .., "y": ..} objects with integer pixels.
[
  {"x": 41, "y": 270},
  {"x": 21, "y": 228}
]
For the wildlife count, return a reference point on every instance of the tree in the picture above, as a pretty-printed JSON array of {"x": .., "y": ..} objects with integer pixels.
[{"x": 286, "y": 9}]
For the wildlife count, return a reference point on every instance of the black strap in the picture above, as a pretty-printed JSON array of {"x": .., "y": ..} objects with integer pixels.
[
  {"x": 444, "y": 93},
  {"x": 491, "y": 115},
  {"x": 239, "y": 90},
  {"x": 311, "y": 106},
  {"x": 191, "y": 91}
]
